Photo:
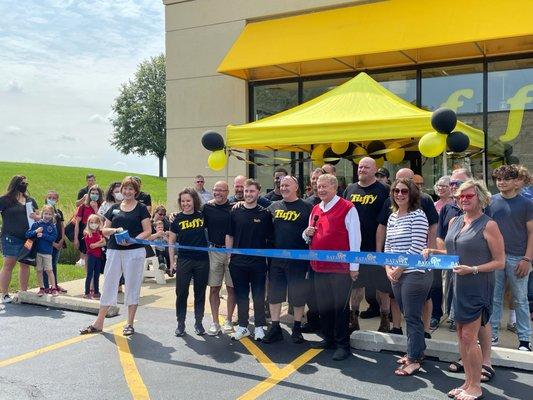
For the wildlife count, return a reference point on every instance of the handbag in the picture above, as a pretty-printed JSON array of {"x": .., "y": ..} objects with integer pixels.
[
  {"x": 28, "y": 253},
  {"x": 69, "y": 229}
]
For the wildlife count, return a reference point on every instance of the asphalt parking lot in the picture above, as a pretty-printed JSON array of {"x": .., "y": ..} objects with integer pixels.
[{"x": 42, "y": 357}]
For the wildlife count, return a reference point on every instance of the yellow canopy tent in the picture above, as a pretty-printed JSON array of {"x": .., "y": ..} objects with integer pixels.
[{"x": 357, "y": 111}]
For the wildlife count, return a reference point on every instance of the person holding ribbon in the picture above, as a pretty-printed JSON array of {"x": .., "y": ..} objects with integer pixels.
[
  {"x": 478, "y": 242},
  {"x": 188, "y": 229},
  {"x": 333, "y": 225},
  {"x": 123, "y": 257},
  {"x": 407, "y": 232}
]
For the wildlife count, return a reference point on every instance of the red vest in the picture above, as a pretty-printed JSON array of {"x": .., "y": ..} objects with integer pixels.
[{"x": 331, "y": 234}]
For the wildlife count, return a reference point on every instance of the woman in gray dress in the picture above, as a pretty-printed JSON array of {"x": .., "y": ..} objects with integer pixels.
[{"x": 476, "y": 239}]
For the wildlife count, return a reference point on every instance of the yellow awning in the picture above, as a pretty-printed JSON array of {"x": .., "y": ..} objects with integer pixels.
[
  {"x": 356, "y": 111},
  {"x": 381, "y": 34}
]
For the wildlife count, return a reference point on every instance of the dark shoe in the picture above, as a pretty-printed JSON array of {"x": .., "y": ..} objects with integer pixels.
[
  {"x": 452, "y": 327},
  {"x": 487, "y": 373},
  {"x": 199, "y": 329},
  {"x": 309, "y": 328},
  {"x": 396, "y": 331},
  {"x": 274, "y": 334},
  {"x": 402, "y": 371},
  {"x": 370, "y": 313},
  {"x": 354, "y": 321},
  {"x": 384, "y": 325},
  {"x": 434, "y": 323},
  {"x": 341, "y": 353},
  {"x": 323, "y": 344},
  {"x": 297, "y": 336},
  {"x": 427, "y": 335},
  {"x": 128, "y": 330},
  {"x": 180, "y": 330}
]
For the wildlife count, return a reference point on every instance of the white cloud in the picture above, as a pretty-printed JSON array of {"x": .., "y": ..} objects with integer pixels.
[
  {"x": 97, "y": 119},
  {"x": 12, "y": 130},
  {"x": 14, "y": 87}
]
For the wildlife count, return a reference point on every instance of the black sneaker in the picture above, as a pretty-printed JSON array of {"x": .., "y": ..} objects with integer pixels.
[
  {"x": 452, "y": 327},
  {"x": 434, "y": 323},
  {"x": 180, "y": 330},
  {"x": 199, "y": 329},
  {"x": 274, "y": 334},
  {"x": 369, "y": 313},
  {"x": 427, "y": 335},
  {"x": 297, "y": 336},
  {"x": 6, "y": 298},
  {"x": 396, "y": 331},
  {"x": 524, "y": 346}
]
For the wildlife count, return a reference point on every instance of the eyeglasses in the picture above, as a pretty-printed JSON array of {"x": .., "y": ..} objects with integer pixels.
[
  {"x": 161, "y": 214},
  {"x": 456, "y": 183},
  {"x": 468, "y": 196},
  {"x": 199, "y": 181},
  {"x": 442, "y": 186},
  {"x": 402, "y": 191},
  {"x": 507, "y": 178}
]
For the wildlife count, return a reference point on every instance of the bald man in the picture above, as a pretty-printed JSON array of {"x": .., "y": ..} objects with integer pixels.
[{"x": 238, "y": 190}]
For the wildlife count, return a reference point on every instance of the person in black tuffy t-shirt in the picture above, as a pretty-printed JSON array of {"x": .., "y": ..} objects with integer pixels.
[
  {"x": 188, "y": 229},
  {"x": 249, "y": 228}
]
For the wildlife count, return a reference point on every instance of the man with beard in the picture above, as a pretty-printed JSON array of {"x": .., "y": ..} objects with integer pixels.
[
  {"x": 290, "y": 217},
  {"x": 238, "y": 190}
]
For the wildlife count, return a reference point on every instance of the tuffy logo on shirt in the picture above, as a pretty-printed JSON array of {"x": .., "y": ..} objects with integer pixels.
[
  {"x": 192, "y": 224},
  {"x": 257, "y": 220},
  {"x": 363, "y": 200},
  {"x": 286, "y": 215}
]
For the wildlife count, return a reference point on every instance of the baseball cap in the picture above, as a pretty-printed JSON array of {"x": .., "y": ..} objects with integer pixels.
[{"x": 383, "y": 171}]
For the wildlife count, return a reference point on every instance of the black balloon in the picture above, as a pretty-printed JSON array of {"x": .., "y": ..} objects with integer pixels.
[
  {"x": 443, "y": 120},
  {"x": 507, "y": 149},
  {"x": 351, "y": 148},
  {"x": 373, "y": 147},
  {"x": 457, "y": 142},
  {"x": 212, "y": 141},
  {"x": 512, "y": 160},
  {"x": 330, "y": 154}
]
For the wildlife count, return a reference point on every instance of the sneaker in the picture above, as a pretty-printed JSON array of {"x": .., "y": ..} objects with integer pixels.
[
  {"x": 511, "y": 327},
  {"x": 524, "y": 346},
  {"x": 62, "y": 290},
  {"x": 427, "y": 335},
  {"x": 199, "y": 329},
  {"x": 227, "y": 327},
  {"x": 240, "y": 332},
  {"x": 434, "y": 323},
  {"x": 370, "y": 313},
  {"x": 6, "y": 298},
  {"x": 80, "y": 263},
  {"x": 274, "y": 334},
  {"x": 47, "y": 290},
  {"x": 163, "y": 266},
  {"x": 297, "y": 336},
  {"x": 180, "y": 330},
  {"x": 495, "y": 341},
  {"x": 214, "y": 329},
  {"x": 41, "y": 292},
  {"x": 396, "y": 331},
  {"x": 259, "y": 333},
  {"x": 96, "y": 296},
  {"x": 54, "y": 292},
  {"x": 452, "y": 327}
]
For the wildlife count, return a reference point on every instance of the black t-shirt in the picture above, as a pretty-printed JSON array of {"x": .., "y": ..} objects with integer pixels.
[
  {"x": 426, "y": 204},
  {"x": 216, "y": 219},
  {"x": 313, "y": 200},
  {"x": 273, "y": 196},
  {"x": 369, "y": 202},
  {"x": 14, "y": 218},
  {"x": 290, "y": 219},
  {"x": 250, "y": 228},
  {"x": 190, "y": 231},
  {"x": 144, "y": 198},
  {"x": 127, "y": 220},
  {"x": 83, "y": 192}
]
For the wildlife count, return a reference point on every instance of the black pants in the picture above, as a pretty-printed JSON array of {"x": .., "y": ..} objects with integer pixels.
[
  {"x": 245, "y": 278},
  {"x": 436, "y": 294},
  {"x": 313, "y": 316},
  {"x": 332, "y": 291},
  {"x": 94, "y": 268},
  {"x": 187, "y": 269}
]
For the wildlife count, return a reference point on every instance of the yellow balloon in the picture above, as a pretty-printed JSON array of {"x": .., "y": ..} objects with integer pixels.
[
  {"x": 217, "y": 160},
  {"x": 360, "y": 152},
  {"x": 317, "y": 155},
  {"x": 379, "y": 162},
  {"x": 395, "y": 154},
  {"x": 339, "y": 148},
  {"x": 432, "y": 144}
]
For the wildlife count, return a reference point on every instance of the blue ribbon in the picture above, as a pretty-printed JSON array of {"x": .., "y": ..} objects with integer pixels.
[{"x": 407, "y": 261}]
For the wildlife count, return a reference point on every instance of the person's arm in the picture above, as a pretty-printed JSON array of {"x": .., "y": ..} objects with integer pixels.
[
  {"x": 351, "y": 221},
  {"x": 32, "y": 232},
  {"x": 107, "y": 230},
  {"x": 77, "y": 232},
  {"x": 172, "y": 250},
  {"x": 50, "y": 237},
  {"x": 524, "y": 266},
  {"x": 393, "y": 273},
  {"x": 147, "y": 229},
  {"x": 432, "y": 236},
  {"x": 381, "y": 233}
]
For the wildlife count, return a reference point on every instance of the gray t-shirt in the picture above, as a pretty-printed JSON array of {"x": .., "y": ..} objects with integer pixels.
[{"x": 512, "y": 216}]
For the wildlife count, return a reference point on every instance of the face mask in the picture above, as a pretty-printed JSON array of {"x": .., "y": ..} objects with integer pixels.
[
  {"x": 51, "y": 202},
  {"x": 22, "y": 187},
  {"x": 94, "y": 197},
  {"x": 118, "y": 196},
  {"x": 93, "y": 226}
]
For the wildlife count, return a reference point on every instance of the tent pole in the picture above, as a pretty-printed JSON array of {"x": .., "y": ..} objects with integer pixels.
[{"x": 444, "y": 164}]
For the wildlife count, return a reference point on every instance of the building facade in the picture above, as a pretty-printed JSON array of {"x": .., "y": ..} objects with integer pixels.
[{"x": 236, "y": 61}]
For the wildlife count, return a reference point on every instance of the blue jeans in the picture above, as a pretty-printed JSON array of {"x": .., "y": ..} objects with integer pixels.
[
  {"x": 519, "y": 291},
  {"x": 55, "y": 259},
  {"x": 94, "y": 268}
]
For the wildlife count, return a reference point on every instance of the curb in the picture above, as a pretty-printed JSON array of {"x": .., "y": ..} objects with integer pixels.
[{"x": 443, "y": 350}]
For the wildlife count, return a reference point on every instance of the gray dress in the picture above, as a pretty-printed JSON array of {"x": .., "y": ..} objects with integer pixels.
[{"x": 473, "y": 293}]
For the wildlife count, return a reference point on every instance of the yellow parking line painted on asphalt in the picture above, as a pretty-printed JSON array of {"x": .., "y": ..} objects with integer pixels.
[
  {"x": 55, "y": 346},
  {"x": 131, "y": 373},
  {"x": 279, "y": 375},
  {"x": 266, "y": 362}
]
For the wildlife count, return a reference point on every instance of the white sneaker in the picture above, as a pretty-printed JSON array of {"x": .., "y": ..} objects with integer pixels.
[
  {"x": 240, "y": 332},
  {"x": 495, "y": 341},
  {"x": 259, "y": 333},
  {"x": 6, "y": 298},
  {"x": 80, "y": 263},
  {"x": 214, "y": 329},
  {"x": 227, "y": 327}
]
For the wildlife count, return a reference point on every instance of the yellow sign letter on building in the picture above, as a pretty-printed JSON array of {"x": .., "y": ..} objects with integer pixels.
[
  {"x": 453, "y": 102},
  {"x": 518, "y": 104}
]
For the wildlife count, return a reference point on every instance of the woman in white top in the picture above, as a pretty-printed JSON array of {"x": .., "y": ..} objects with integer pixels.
[
  {"x": 407, "y": 231},
  {"x": 112, "y": 196}
]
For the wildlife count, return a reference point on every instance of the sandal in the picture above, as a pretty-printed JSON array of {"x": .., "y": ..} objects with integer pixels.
[
  {"x": 90, "y": 329},
  {"x": 128, "y": 330},
  {"x": 456, "y": 366},
  {"x": 466, "y": 396},
  {"x": 454, "y": 392},
  {"x": 402, "y": 360},
  {"x": 487, "y": 373},
  {"x": 401, "y": 371}
]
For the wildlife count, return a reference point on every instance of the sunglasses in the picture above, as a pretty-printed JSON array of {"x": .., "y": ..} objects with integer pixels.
[
  {"x": 199, "y": 181},
  {"x": 402, "y": 191},
  {"x": 456, "y": 183},
  {"x": 468, "y": 196},
  {"x": 161, "y": 214}
]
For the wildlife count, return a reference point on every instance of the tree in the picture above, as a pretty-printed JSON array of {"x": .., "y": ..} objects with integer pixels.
[{"x": 139, "y": 119}]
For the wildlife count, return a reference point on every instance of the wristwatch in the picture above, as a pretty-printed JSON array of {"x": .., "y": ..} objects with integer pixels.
[
  {"x": 475, "y": 270},
  {"x": 526, "y": 259}
]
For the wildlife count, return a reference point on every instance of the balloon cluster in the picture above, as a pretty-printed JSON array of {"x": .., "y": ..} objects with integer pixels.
[
  {"x": 393, "y": 152},
  {"x": 213, "y": 141},
  {"x": 432, "y": 144}
]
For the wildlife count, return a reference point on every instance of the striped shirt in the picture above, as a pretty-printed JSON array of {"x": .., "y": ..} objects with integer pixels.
[{"x": 407, "y": 234}]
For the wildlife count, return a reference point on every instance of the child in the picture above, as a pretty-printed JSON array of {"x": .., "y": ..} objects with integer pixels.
[
  {"x": 160, "y": 237},
  {"x": 46, "y": 234},
  {"x": 94, "y": 241}
]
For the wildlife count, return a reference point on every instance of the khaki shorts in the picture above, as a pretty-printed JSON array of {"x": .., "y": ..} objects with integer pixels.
[
  {"x": 218, "y": 269},
  {"x": 43, "y": 262}
]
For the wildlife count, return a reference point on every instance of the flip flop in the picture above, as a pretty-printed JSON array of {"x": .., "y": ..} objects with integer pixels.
[
  {"x": 458, "y": 367},
  {"x": 454, "y": 392},
  {"x": 90, "y": 329},
  {"x": 487, "y": 372},
  {"x": 466, "y": 396}
]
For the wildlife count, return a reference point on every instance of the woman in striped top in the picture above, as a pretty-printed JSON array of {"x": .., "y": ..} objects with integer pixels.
[{"x": 407, "y": 231}]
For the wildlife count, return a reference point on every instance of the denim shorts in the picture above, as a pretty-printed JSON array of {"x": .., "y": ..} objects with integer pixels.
[{"x": 11, "y": 245}]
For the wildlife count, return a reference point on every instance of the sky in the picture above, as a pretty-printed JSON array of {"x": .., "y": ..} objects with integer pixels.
[{"x": 61, "y": 66}]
